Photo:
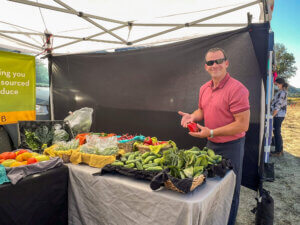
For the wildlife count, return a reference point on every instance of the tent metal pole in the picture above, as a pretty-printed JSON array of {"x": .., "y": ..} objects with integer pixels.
[
  {"x": 103, "y": 32},
  {"x": 196, "y": 21},
  {"x": 19, "y": 49},
  {"x": 265, "y": 8},
  {"x": 89, "y": 20},
  {"x": 268, "y": 126},
  {"x": 17, "y": 26},
  {"x": 104, "y": 29},
  {"x": 65, "y": 10},
  {"x": 51, "y": 87},
  {"x": 60, "y": 36},
  {"x": 20, "y": 32},
  {"x": 28, "y": 34},
  {"x": 87, "y": 38},
  {"x": 74, "y": 42},
  {"x": 194, "y": 25},
  {"x": 20, "y": 41}
]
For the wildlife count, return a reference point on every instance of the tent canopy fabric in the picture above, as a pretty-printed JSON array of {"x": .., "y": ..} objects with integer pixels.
[
  {"x": 64, "y": 27},
  {"x": 88, "y": 26}
]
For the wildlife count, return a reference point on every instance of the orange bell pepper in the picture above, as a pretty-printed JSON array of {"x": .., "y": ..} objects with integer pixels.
[{"x": 82, "y": 138}]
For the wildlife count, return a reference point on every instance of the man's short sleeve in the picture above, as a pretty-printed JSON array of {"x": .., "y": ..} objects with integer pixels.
[
  {"x": 239, "y": 99},
  {"x": 200, "y": 97}
]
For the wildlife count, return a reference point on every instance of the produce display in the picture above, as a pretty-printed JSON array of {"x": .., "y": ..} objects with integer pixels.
[
  {"x": 63, "y": 150},
  {"x": 100, "y": 146},
  {"x": 152, "y": 144},
  {"x": 176, "y": 169},
  {"x": 161, "y": 162},
  {"x": 20, "y": 158},
  {"x": 139, "y": 161},
  {"x": 126, "y": 137},
  {"x": 181, "y": 163},
  {"x": 40, "y": 138},
  {"x": 38, "y": 135},
  {"x": 59, "y": 134},
  {"x": 82, "y": 137},
  {"x": 90, "y": 149},
  {"x": 66, "y": 145}
]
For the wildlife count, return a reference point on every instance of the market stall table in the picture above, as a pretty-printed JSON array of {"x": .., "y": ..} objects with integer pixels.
[
  {"x": 120, "y": 200},
  {"x": 39, "y": 199}
]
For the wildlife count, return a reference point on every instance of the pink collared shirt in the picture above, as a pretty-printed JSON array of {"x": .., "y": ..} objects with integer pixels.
[{"x": 220, "y": 103}]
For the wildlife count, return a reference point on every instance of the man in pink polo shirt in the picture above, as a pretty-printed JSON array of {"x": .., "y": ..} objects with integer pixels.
[{"x": 224, "y": 107}]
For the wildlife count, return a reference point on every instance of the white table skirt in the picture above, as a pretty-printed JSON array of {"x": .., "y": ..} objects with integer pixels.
[{"x": 120, "y": 200}]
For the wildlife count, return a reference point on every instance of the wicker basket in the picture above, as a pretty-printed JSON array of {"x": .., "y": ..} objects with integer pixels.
[
  {"x": 66, "y": 158},
  {"x": 127, "y": 146},
  {"x": 63, "y": 154},
  {"x": 197, "y": 181},
  {"x": 143, "y": 149}
]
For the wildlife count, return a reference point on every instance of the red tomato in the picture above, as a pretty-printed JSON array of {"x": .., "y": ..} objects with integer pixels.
[
  {"x": 5, "y": 155},
  {"x": 22, "y": 151},
  {"x": 12, "y": 155},
  {"x": 31, "y": 160}
]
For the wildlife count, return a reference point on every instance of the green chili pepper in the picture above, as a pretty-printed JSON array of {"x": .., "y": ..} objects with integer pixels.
[
  {"x": 154, "y": 168},
  {"x": 117, "y": 163},
  {"x": 131, "y": 165}
]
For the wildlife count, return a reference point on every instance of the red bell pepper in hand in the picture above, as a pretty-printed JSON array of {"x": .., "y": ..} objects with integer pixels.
[{"x": 193, "y": 127}]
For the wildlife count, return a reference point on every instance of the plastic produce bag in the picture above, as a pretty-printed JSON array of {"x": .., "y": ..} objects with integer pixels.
[
  {"x": 100, "y": 146},
  {"x": 63, "y": 145},
  {"x": 59, "y": 134},
  {"x": 80, "y": 121}
]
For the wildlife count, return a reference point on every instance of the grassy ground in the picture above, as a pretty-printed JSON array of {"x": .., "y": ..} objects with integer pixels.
[{"x": 285, "y": 190}]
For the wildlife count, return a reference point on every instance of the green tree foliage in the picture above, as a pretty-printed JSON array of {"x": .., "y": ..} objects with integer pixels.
[
  {"x": 285, "y": 62},
  {"x": 42, "y": 76}
]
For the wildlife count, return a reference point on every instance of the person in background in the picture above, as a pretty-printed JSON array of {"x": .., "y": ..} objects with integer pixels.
[
  {"x": 278, "y": 111},
  {"x": 224, "y": 107}
]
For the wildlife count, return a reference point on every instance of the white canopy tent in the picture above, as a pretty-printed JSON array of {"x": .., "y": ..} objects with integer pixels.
[
  {"x": 64, "y": 27},
  {"x": 73, "y": 26}
]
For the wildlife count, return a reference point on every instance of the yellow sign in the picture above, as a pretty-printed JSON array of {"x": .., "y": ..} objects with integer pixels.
[
  {"x": 17, "y": 87},
  {"x": 14, "y": 117}
]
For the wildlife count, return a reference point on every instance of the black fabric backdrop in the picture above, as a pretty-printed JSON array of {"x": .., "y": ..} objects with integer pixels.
[{"x": 140, "y": 91}]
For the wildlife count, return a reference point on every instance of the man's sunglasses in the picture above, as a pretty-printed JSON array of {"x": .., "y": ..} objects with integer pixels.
[{"x": 218, "y": 61}]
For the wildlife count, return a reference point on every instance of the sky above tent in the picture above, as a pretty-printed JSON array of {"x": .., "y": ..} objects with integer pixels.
[{"x": 285, "y": 24}]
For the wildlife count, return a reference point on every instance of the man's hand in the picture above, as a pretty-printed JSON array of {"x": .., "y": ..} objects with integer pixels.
[
  {"x": 186, "y": 118},
  {"x": 203, "y": 133}
]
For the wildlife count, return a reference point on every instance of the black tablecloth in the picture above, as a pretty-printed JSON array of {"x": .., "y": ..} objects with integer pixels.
[{"x": 39, "y": 199}]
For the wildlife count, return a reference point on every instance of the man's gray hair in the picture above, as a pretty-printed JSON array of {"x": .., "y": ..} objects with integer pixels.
[{"x": 216, "y": 50}]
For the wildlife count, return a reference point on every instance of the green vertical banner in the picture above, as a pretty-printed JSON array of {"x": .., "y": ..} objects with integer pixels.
[{"x": 17, "y": 87}]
